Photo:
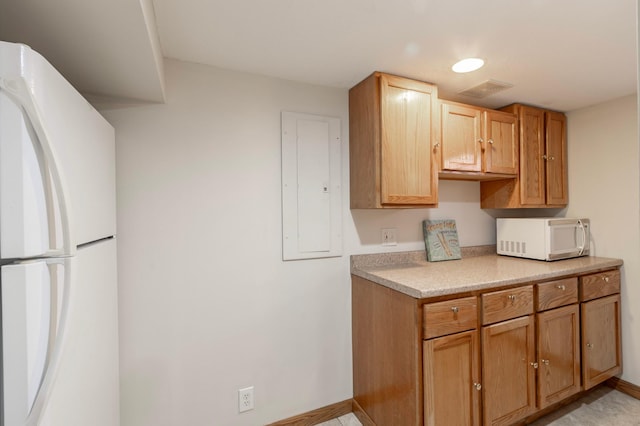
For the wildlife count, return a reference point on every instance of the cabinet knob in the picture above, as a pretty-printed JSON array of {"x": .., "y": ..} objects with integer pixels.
[
  {"x": 606, "y": 279},
  {"x": 454, "y": 309},
  {"x": 561, "y": 287},
  {"x": 552, "y": 158},
  {"x": 490, "y": 141},
  {"x": 436, "y": 145},
  {"x": 545, "y": 361},
  {"x": 512, "y": 297},
  {"x": 544, "y": 157},
  {"x": 480, "y": 140},
  {"x": 534, "y": 364},
  {"x": 478, "y": 386},
  {"x": 589, "y": 346}
]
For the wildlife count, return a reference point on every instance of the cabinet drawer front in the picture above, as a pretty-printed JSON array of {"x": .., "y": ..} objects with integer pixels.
[
  {"x": 506, "y": 304},
  {"x": 557, "y": 293},
  {"x": 451, "y": 316},
  {"x": 599, "y": 285}
]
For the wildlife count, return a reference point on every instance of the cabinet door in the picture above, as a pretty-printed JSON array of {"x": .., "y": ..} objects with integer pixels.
[
  {"x": 532, "y": 151},
  {"x": 461, "y": 143},
  {"x": 558, "y": 354},
  {"x": 408, "y": 114},
  {"x": 556, "y": 156},
  {"x": 451, "y": 382},
  {"x": 601, "y": 357},
  {"x": 508, "y": 370},
  {"x": 501, "y": 142}
]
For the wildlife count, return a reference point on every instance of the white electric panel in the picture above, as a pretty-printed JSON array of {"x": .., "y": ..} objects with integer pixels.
[{"x": 311, "y": 186}]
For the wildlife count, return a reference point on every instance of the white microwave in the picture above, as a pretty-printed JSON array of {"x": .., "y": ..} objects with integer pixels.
[{"x": 542, "y": 238}]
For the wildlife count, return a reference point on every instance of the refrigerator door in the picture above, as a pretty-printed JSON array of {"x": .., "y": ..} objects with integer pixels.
[
  {"x": 86, "y": 390},
  {"x": 76, "y": 142},
  {"x": 29, "y": 215},
  {"x": 34, "y": 308}
]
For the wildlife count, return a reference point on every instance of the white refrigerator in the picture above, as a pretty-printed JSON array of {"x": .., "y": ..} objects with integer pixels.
[{"x": 59, "y": 345}]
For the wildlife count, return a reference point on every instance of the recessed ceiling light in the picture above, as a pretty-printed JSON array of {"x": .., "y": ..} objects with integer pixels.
[{"x": 467, "y": 65}]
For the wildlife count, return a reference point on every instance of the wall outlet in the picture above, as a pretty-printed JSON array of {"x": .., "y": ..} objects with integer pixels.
[
  {"x": 389, "y": 237},
  {"x": 245, "y": 399}
]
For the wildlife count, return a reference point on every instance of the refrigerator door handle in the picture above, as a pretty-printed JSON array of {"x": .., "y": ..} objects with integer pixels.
[
  {"x": 58, "y": 329},
  {"x": 18, "y": 92}
]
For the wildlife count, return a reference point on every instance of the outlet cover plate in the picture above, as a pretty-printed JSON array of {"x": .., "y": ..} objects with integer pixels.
[{"x": 245, "y": 399}]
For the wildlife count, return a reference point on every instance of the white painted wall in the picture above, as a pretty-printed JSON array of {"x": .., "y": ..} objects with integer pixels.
[
  {"x": 604, "y": 185},
  {"x": 207, "y": 306}
]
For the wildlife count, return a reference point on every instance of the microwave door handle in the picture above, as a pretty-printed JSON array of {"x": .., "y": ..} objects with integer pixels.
[{"x": 584, "y": 238}]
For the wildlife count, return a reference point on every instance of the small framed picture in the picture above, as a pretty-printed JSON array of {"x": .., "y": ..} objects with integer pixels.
[{"x": 441, "y": 240}]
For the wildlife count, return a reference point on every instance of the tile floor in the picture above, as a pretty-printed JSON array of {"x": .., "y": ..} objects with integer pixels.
[
  {"x": 602, "y": 407},
  {"x": 346, "y": 420}
]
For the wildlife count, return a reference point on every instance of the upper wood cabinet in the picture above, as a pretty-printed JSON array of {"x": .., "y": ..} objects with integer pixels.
[
  {"x": 542, "y": 181},
  {"x": 393, "y": 125},
  {"x": 477, "y": 143}
]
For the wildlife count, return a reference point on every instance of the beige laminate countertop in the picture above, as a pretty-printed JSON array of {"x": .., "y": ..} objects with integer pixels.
[{"x": 410, "y": 273}]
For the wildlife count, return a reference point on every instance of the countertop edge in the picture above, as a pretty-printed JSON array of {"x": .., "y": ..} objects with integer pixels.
[{"x": 598, "y": 264}]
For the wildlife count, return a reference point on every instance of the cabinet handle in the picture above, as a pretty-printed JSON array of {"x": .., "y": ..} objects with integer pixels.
[
  {"x": 512, "y": 297},
  {"x": 561, "y": 287},
  {"x": 534, "y": 364},
  {"x": 545, "y": 361},
  {"x": 454, "y": 309},
  {"x": 478, "y": 386}
]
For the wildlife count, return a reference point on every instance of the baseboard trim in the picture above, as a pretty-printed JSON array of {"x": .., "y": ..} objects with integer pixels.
[
  {"x": 351, "y": 406},
  {"x": 318, "y": 415},
  {"x": 362, "y": 415},
  {"x": 624, "y": 387}
]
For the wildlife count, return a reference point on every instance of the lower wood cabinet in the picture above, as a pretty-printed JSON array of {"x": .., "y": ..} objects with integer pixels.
[
  {"x": 452, "y": 380},
  {"x": 508, "y": 370},
  {"x": 601, "y": 356},
  {"x": 600, "y": 328},
  {"x": 490, "y": 358},
  {"x": 558, "y": 354}
]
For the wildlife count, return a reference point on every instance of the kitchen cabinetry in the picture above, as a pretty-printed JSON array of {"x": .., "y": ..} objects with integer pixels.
[
  {"x": 508, "y": 356},
  {"x": 558, "y": 341},
  {"x": 477, "y": 143},
  {"x": 393, "y": 127},
  {"x": 542, "y": 178},
  {"x": 483, "y": 357},
  {"x": 451, "y": 363},
  {"x": 601, "y": 348}
]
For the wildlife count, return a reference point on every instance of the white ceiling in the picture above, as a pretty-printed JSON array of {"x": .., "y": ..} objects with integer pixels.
[{"x": 560, "y": 54}]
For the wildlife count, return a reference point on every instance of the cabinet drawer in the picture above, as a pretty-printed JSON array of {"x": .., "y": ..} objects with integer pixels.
[
  {"x": 506, "y": 304},
  {"x": 599, "y": 285},
  {"x": 450, "y": 316},
  {"x": 557, "y": 293}
]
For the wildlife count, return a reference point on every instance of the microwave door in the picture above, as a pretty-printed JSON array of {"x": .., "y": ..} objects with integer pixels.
[{"x": 567, "y": 240}]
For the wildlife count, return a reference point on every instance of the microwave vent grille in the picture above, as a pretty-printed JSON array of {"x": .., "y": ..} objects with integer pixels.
[{"x": 516, "y": 247}]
